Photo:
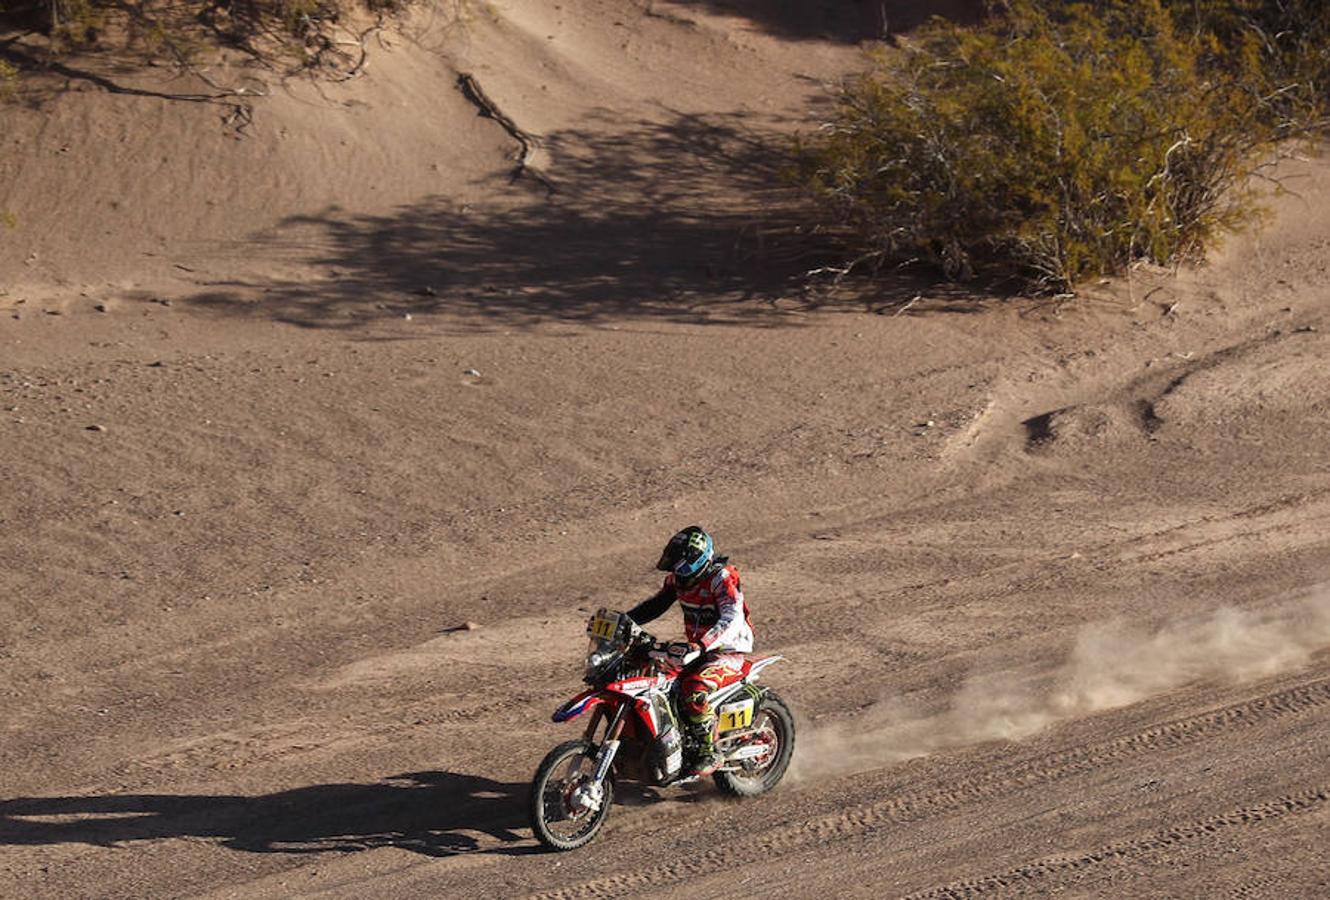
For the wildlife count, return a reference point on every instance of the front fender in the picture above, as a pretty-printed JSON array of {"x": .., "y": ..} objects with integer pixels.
[{"x": 573, "y": 708}]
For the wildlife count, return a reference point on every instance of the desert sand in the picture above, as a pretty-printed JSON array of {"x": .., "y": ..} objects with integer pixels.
[{"x": 328, "y": 410}]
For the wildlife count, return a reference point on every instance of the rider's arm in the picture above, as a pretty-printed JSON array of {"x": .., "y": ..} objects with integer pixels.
[
  {"x": 653, "y": 606},
  {"x": 730, "y": 606}
]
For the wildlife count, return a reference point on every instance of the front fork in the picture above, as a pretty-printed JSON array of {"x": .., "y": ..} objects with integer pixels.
[{"x": 592, "y": 793}]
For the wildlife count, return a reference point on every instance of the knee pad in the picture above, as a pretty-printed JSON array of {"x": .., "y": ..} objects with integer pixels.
[{"x": 695, "y": 706}]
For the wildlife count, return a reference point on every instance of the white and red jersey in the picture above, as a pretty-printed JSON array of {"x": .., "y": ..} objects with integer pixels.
[{"x": 715, "y": 613}]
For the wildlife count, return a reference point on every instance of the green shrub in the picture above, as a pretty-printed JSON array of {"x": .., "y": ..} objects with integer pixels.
[
  {"x": 1056, "y": 143},
  {"x": 1279, "y": 48}
]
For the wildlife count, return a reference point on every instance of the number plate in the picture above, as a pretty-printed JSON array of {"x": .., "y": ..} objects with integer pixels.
[
  {"x": 603, "y": 625},
  {"x": 735, "y": 715}
]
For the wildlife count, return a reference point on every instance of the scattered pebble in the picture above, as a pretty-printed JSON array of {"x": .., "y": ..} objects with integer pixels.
[
  {"x": 465, "y": 626},
  {"x": 406, "y": 316},
  {"x": 100, "y": 307},
  {"x": 96, "y": 428},
  {"x": 1305, "y": 329},
  {"x": 472, "y": 372}
]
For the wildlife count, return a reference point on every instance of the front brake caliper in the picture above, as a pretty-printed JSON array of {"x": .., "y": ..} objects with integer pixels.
[{"x": 582, "y": 798}]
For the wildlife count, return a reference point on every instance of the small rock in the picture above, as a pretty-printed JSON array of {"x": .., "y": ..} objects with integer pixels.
[
  {"x": 96, "y": 428},
  {"x": 406, "y": 316},
  {"x": 1304, "y": 329},
  {"x": 427, "y": 291},
  {"x": 472, "y": 372},
  {"x": 465, "y": 626},
  {"x": 100, "y": 307},
  {"x": 157, "y": 365}
]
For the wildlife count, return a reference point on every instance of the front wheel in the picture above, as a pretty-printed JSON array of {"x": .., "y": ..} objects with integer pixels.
[
  {"x": 567, "y": 810},
  {"x": 773, "y": 726}
]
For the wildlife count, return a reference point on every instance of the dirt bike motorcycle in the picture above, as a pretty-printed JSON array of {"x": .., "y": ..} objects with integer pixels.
[{"x": 634, "y": 734}]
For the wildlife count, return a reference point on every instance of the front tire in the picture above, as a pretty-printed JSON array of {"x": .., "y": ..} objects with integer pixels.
[
  {"x": 773, "y": 723},
  {"x": 560, "y": 814}
]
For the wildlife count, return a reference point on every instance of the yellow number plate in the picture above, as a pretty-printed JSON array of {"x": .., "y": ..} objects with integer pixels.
[
  {"x": 603, "y": 625},
  {"x": 735, "y": 715}
]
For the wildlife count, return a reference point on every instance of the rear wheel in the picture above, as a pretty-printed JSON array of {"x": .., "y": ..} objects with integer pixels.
[
  {"x": 773, "y": 727},
  {"x": 567, "y": 810}
]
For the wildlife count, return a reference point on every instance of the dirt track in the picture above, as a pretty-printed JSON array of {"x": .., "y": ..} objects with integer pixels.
[{"x": 1050, "y": 579}]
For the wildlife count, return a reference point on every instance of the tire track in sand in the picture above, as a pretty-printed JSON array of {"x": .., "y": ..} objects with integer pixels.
[
  {"x": 1044, "y": 769},
  {"x": 1021, "y": 876}
]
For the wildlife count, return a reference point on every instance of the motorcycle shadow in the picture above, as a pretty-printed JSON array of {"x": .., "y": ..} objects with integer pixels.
[
  {"x": 632, "y": 794},
  {"x": 432, "y": 813}
]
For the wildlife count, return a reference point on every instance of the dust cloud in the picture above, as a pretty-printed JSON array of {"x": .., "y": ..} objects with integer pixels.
[{"x": 1110, "y": 665}]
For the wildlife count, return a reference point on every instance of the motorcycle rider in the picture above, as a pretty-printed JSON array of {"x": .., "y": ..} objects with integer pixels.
[{"x": 717, "y": 633}]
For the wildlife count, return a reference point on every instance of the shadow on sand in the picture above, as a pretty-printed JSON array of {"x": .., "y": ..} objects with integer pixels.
[
  {"x": 646, "y": 221},
  {"x": 433, "y": 813},
  {"x": 846, "y": 21},
  {"x": 688, "y": 219}
]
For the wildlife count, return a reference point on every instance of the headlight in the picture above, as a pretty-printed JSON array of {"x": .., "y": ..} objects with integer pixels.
[{"x": 599, "y": 661}]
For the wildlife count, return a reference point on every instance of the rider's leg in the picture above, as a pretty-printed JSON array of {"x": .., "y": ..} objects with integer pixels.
[{"x": 698, "y": 682}]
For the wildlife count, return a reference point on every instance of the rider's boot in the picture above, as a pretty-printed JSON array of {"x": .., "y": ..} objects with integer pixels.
[{"x": 703, "y": 759}]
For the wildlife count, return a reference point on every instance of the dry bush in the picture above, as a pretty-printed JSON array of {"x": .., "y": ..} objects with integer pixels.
[
  {"x": 284, "y": 35},
  {"x": 8, "y": 80},
  {"x": 1056, "y": 143}
]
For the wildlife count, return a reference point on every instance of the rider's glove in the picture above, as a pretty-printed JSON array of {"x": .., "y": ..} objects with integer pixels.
[{"x": 680, "y": 653}]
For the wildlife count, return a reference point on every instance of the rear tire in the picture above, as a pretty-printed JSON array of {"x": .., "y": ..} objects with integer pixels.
[
  {"x": 558, "y": 823},
  {"x": 775, "y": 719}
]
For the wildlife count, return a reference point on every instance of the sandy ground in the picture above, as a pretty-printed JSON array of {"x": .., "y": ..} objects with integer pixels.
[{"x": 283, "y": 405}]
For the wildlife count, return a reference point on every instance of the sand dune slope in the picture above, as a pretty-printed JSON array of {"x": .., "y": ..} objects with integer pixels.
[{"x": 283, "y": 406}]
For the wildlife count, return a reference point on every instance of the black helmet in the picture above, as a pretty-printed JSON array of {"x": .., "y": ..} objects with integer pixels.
[{"x": 687, "y": 555}]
